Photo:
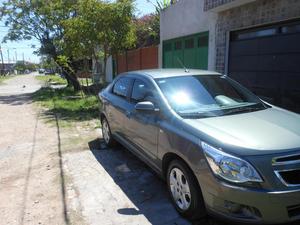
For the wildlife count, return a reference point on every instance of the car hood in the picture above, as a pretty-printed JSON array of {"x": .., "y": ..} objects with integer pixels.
[{"x": 263, "y": 131}]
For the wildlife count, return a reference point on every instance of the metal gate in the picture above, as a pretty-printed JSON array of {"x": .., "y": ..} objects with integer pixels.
[
  {"x": 267, "y": 61},
  {"x": 190, "y": 51}
]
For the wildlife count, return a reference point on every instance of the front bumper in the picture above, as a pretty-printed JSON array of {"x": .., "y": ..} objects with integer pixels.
[{"x": 250, "y": 205}]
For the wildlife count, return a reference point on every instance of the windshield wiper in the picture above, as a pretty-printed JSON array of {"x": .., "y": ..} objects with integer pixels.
[
  {"x": 243, "y": 109},
  {"x": 196, "y": 115}
]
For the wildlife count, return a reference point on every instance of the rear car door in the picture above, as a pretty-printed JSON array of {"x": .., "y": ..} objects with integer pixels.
[
  {"x": 119, "y": 103},
  {"x": 142, "y": 124}
]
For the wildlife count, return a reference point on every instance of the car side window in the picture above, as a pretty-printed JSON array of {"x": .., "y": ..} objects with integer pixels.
[
  {"x": 121, "y": 87},
  {"x": 140, "y": 91}
]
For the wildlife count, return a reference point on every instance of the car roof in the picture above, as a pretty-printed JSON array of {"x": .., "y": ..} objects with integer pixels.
[{"x": 164, "y": 73}]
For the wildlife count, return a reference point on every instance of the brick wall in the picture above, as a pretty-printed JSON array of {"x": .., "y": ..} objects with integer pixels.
[
  {"x": 210, "y": 4},
  {"x": 252, "y": 14}
]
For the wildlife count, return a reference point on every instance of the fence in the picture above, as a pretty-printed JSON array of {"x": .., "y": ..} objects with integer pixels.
[{"x": 143, "y": 58}]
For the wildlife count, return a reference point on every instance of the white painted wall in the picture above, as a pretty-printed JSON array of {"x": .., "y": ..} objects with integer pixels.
[
  {"x": 109, "y": 70},
  {"x": 97, "y": 68},
  {"x": 187, "y": 17}
]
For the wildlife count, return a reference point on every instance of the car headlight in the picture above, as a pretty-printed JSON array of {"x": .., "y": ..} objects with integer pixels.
[{"x": 229, "y": 167}]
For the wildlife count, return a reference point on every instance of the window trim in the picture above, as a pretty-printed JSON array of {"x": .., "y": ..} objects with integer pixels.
[
  {"x": 276, "y": 25},
  {"x": 128, "y": 94}
]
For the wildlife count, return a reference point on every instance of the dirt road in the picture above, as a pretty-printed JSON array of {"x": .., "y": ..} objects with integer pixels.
[{"x": 30, "y": 182}]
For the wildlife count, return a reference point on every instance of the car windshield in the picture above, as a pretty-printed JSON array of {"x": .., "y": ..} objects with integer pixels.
[{"x": 207, "y": 96}]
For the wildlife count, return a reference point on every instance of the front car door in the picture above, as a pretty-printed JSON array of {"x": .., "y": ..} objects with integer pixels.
[{"x": 143, "y": 125}]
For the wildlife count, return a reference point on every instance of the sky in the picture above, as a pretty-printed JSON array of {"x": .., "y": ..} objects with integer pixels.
[{"x": 13, "y": 50}]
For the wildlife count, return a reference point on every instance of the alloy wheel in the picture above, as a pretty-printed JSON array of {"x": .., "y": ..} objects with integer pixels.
[
  {"x": 180, "y": 189},
  {"x": 105, "y": 131}
]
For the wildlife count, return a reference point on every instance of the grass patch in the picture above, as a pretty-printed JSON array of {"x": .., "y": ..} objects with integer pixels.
[
  {"x": 66, "y": 103},
  {"x": 53, "y": 79},
  {"x": 85, "y": 81},
  {"x": 3, "y": 78}
]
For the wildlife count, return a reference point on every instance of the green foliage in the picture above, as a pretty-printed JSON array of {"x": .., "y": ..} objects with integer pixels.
[
  {"x": 37, "y": 19},
  {"x": 48, "y": 63},
  {"x": 148, "y": 26},
  {"x": 162, "y": 4},
  {"x": 22, "y": 66},
  {"x": 147, "y": 30},
  {"x": 99, "y": 26},
  {"x": 3, "y": 78},
  {"x": 55, "y": 79},
  {"x": 85, "y": 81},
  {"x": 41, "y": 20},
  {"x": 72, "y": 30},
  {"x": 67, "y": 103}
]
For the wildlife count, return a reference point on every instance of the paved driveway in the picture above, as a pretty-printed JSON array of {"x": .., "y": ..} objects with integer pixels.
[{"x": 116, "y": 188}]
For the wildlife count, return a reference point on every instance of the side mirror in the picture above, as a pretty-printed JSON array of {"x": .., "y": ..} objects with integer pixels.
[{"x": 146, "y": 106}]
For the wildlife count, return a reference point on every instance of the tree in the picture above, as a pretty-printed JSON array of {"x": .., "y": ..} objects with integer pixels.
[
  {"x": 21, "y": 66},
  {"x": 99, "y": 29},
  {"x": 41, "y": 20},
  {"x": 148, "y": 26},
  {"x": 47, "y": 63},
  {"x": 147, "y": 30}
]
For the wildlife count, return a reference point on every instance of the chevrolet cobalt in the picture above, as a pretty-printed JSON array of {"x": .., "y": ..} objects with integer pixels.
[{"x": 220, "y": 148}]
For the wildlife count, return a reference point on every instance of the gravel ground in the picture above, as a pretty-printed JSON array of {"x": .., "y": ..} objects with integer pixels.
[
  {"x": 51, "y": 173},
  {"x": 30, "y": 187}
]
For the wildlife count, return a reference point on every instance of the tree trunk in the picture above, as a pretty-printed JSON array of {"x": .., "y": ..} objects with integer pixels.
[
  {"x": 72, "y": 79},
  {"x": 104, "y": 63},
  {"x": 70, "y": 76}
]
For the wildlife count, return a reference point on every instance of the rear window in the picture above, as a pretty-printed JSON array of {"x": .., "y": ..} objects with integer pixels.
[
  {"x": 140, "y": 90},
  {"x": 121, "y": 87}
]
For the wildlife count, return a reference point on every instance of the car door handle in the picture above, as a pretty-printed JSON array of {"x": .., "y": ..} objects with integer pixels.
[{"x": 128, "y": 114}]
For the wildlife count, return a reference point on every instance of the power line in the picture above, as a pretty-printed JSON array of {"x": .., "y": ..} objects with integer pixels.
[{"x": 20, "y": 48}]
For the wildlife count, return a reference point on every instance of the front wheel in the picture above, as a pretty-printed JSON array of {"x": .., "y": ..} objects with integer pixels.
[
  {"x": 106, "y": 133},
  {"x": 184, "y": 191}
]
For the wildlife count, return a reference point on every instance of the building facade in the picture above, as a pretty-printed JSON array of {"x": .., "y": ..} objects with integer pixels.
[
  {"x": 257, "y": 42},
  {"x": 187, "y": 34}
]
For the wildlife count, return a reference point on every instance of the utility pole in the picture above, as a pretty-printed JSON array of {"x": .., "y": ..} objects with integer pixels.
[
  {"x": 2, "y": 71},
  {"x": 8, "y": 59},
  {"x": 23, "y": 58},
  {"x": 16, "y": 55}
]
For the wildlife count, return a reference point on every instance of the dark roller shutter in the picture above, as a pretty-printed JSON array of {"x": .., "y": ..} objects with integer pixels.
[{"x": 267, "y": 61}]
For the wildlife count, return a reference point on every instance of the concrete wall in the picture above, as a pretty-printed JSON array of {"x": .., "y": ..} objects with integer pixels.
[
  {"x": 97, "y": 70},
  {"x": 109, "y": 70},
  {"x": 187, "y": 17},
  {"x": 253, "y": 14}
]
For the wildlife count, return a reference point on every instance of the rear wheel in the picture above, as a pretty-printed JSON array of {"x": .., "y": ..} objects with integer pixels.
[
  {"x": 184, "y": 191},
  {"x": 106, "y": 133}
]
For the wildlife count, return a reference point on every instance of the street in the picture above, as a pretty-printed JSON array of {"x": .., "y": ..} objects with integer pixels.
[
  {"x": 56, "y": 175},
  {"x": 30, "y": 192}
]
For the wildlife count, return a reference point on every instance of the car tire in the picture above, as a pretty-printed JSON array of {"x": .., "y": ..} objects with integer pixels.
[
  {"x": 185, "y": 191},
  {"x": 106, "y": 133}
]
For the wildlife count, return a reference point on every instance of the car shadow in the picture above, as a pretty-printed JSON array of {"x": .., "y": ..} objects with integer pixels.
[{"x": 141, "y": 185}]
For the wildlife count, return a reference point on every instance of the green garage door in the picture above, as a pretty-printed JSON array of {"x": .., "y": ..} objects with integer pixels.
[{"x": 190, "y": 51}]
